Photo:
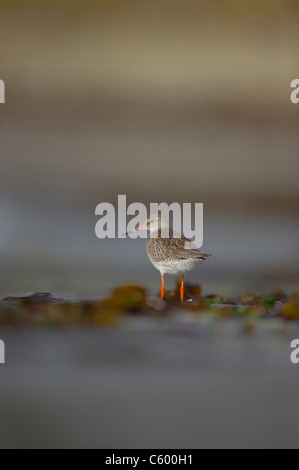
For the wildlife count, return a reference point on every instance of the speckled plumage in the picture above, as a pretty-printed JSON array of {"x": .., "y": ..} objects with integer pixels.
[{"x": 170, "y": 255}]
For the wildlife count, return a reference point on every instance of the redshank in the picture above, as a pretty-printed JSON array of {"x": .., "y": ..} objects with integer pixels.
[{"x": 173, "y": 255}]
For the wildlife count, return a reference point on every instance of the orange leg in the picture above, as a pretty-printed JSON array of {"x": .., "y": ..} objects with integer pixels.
[
  {"x": 182, "y": 289},
  {"x": 162, "y": 286}
]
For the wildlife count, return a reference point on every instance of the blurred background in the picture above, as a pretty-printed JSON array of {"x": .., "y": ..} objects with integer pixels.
[{"x": 161, "y": 101}]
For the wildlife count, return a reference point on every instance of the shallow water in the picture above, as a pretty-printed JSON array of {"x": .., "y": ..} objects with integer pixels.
[
  {"x": 58, "y": 252},
  {"x": 183, "y": 382}
]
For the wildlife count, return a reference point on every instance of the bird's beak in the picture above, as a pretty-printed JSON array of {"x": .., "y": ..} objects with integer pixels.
[{"x": 137, "y": 229}]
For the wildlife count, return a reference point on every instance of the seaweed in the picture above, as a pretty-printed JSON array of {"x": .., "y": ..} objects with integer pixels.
[{"x": 41, "y": 308}]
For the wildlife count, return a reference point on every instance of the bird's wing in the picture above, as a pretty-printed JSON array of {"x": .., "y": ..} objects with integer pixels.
[
  {"x": 175, "y": 248},
  {"x": 186, "y": 249}
]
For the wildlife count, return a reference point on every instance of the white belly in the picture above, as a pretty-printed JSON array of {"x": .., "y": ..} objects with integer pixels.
[{"x": 175, "y": 267}]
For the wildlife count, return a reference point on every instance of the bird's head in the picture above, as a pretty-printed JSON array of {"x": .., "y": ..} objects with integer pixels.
[{"x": 153, "y": 223}]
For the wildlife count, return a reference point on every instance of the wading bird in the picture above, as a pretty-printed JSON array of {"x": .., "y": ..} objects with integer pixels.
[{"x": 172, "y": 254}]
